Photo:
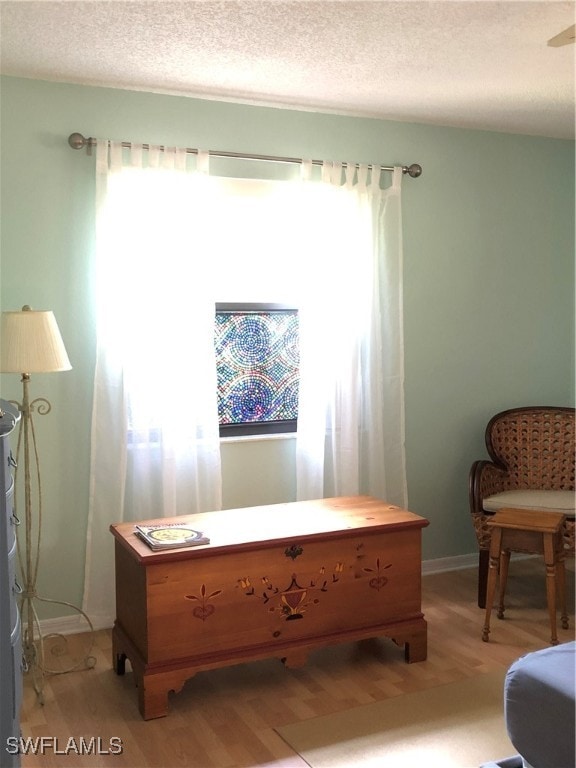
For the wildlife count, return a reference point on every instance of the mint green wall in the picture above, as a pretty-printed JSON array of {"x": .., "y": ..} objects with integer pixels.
[{"x": 488, "y": 299}]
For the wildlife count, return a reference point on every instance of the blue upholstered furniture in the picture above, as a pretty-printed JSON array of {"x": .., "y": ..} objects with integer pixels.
[{"x": 539, "y": 709}]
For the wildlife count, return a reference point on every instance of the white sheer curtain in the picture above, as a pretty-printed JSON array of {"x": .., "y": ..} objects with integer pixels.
[
  {"x": 170, "y": 243},
  {"x": 155, "y": 441},
  {"x": 351, "y": 407}
]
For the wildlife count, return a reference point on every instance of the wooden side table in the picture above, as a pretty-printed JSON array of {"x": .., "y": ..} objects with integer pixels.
[{"x": 534, "y": 533}]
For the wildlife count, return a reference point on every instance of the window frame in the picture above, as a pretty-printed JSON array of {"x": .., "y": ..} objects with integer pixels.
[{"x": 256, "y": 428}]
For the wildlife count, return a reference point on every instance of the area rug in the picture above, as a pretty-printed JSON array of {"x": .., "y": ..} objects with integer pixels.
[{"x": 457, "y": 725}]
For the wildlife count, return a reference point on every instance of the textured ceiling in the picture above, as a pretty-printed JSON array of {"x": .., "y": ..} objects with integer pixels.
[{"x": 478, "y": 64}]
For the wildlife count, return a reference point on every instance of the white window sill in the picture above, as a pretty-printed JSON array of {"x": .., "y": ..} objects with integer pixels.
[{"x": 254, "y": 438}]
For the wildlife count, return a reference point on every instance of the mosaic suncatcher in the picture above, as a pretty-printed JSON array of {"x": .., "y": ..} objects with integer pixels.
[{"x": 257, "y": 360}]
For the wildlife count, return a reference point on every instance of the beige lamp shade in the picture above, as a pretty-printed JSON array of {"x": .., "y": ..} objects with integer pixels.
[{"x": 30, "y": 342}]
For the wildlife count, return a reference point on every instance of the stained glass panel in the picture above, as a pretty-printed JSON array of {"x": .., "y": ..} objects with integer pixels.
[{"x": 257, "y": 359}]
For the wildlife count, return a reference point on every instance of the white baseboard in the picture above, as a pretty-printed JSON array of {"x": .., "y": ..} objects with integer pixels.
[
  {"x": 459, "y": 562},
  {"x": 72, "y": 625},
  {"x": 456, "y": 563}
]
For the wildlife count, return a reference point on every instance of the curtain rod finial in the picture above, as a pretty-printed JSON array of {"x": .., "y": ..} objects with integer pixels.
[
  {"x": 77, "y": 141},
  {"x": 413, "y": 170}
]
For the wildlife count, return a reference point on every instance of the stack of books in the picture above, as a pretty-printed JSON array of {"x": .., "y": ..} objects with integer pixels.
[{"x": 170, "y": 536}]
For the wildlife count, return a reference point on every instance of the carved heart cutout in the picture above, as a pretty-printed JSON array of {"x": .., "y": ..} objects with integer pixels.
[
  {"x": 378, "y": 582},
  {"x": 203, "y": 611}
]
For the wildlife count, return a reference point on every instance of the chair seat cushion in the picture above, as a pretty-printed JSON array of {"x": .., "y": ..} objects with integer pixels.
[{"x": 544, "y": 501}]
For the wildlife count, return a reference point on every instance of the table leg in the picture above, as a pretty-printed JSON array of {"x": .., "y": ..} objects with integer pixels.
[
  {"x": 152, "y": 697},
  {"x": 495, "y": 547},
  {"x": 550, "y": 562},
  {"x": 295, "y": 658},
  {"x": 154, "y": 687},
  {"x": 504, "y": 567},
  {"x": 118, "y": 655},
  {"x": 561, "y": 585},
  {"x": 416, "y": 647}
]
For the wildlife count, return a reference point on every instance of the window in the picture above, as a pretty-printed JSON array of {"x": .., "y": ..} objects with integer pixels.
[{"x": 257, "y": 358}]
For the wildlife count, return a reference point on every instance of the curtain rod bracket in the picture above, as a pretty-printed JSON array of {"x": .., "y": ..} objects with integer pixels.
[{"x": 77, "y": 141}]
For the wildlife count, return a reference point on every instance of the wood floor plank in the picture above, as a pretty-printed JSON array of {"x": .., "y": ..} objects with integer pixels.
[{"x": 226, "y": 718}]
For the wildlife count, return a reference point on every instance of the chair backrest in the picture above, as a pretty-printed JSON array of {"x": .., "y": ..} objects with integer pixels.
[{"x": 535, "y": 445}]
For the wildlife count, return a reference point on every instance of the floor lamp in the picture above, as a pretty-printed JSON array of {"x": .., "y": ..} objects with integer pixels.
[{"x": 31, "y": 343}]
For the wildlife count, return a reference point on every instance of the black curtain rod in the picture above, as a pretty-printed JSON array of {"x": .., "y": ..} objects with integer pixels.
[{"x": 77, "y": 141}]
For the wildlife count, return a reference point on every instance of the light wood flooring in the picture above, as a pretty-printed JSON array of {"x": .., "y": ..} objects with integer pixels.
[{"x": 226, "y": 718}]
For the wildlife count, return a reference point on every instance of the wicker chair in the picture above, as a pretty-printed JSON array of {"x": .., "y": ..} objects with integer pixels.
[{"x": 532, "y": 453}]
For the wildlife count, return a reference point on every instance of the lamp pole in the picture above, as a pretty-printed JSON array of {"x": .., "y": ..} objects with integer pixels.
[
  {"x": 29, "y": 561},
  {"x": 31, "y": 342}
]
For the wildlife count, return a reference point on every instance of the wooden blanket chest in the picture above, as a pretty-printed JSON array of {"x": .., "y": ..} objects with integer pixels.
[{"x": 275, "y": 581}]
